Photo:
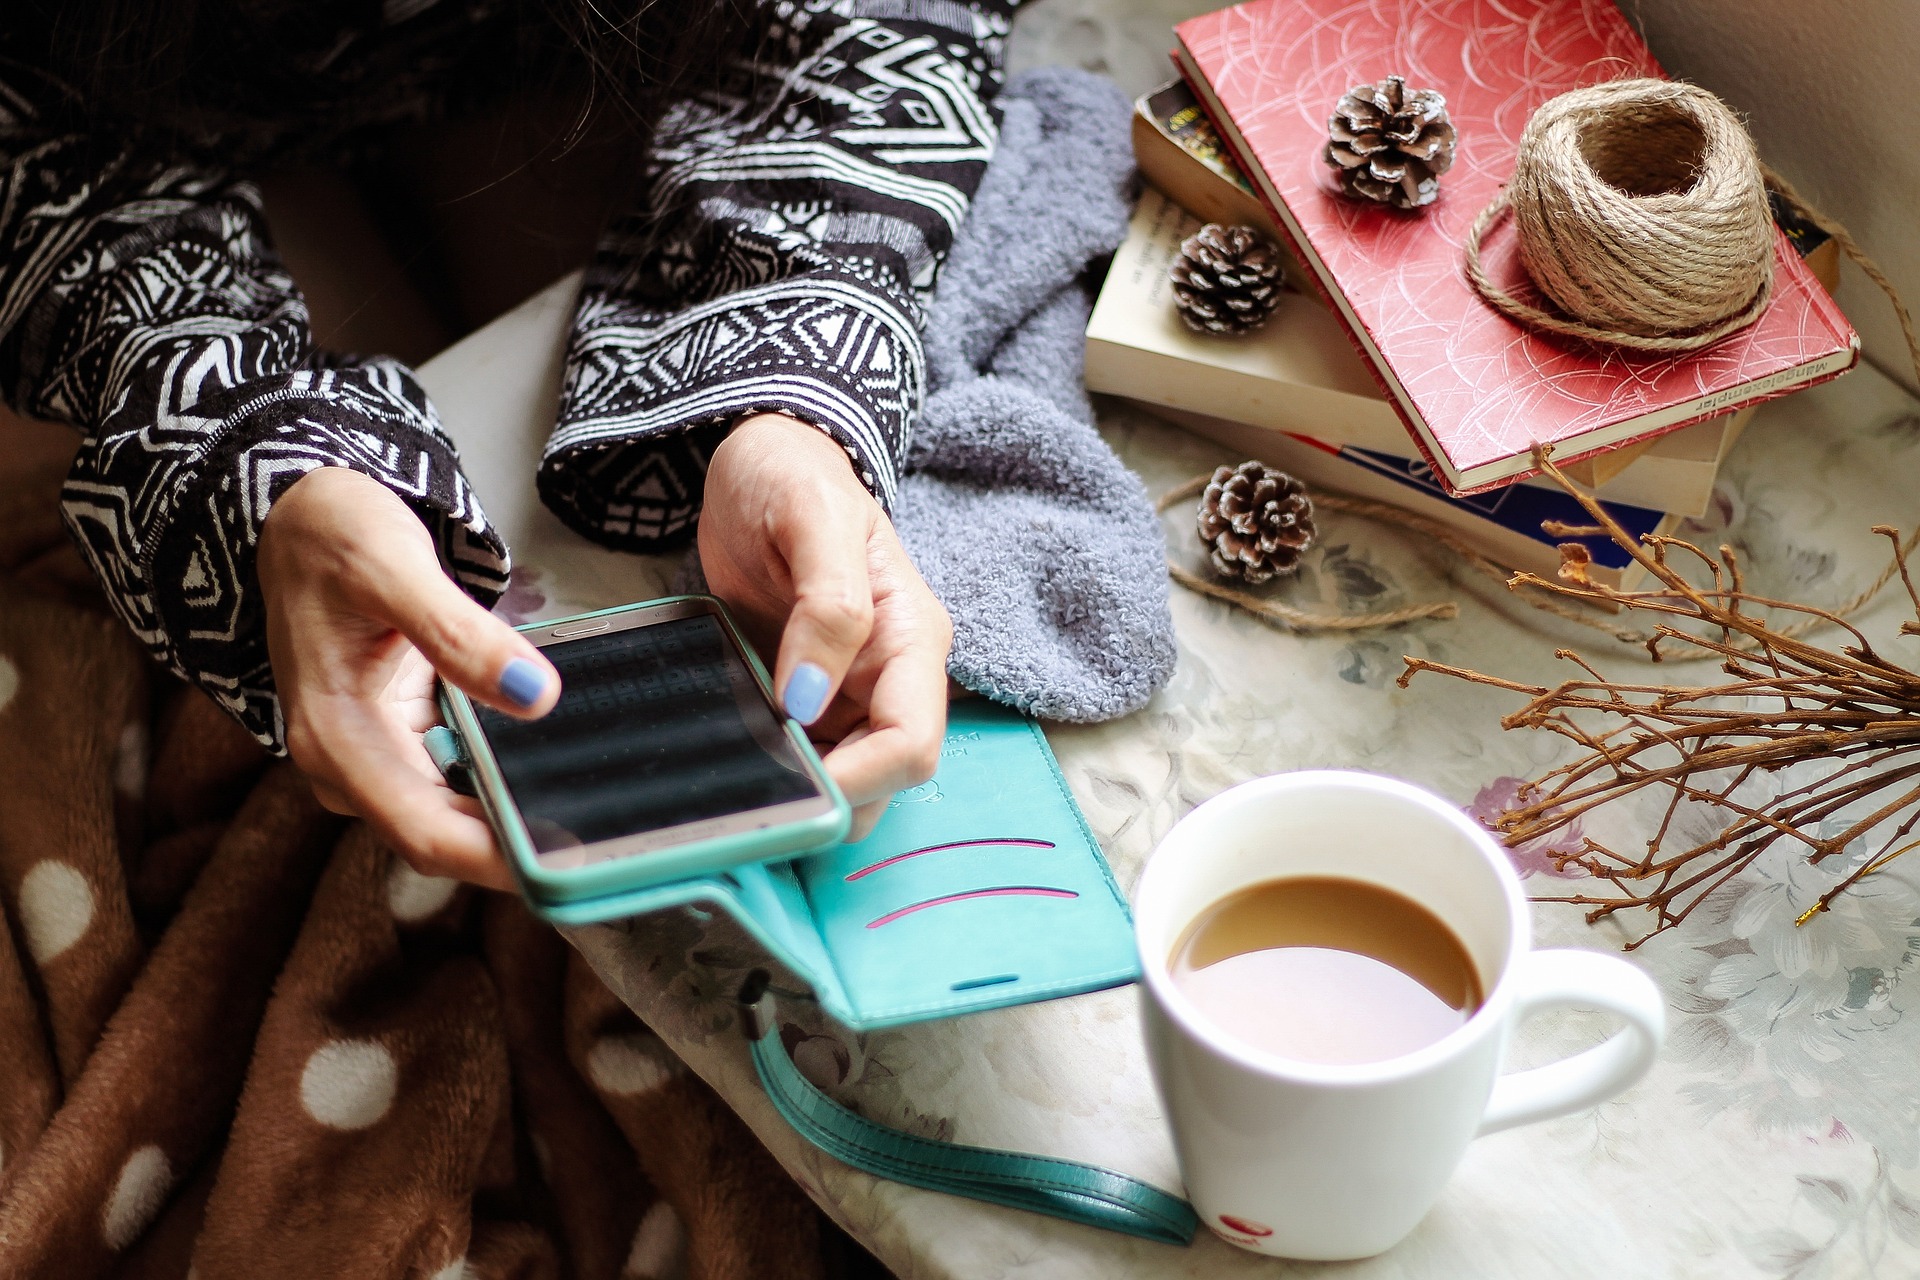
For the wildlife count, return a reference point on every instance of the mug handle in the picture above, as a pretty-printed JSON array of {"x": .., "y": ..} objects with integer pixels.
[{"x": 1558, "y": 979}]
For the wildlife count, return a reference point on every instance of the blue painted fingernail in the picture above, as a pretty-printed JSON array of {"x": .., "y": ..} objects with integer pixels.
[
  {"x": 522, "y": 682},
  {"x": 806, "y": 695}
]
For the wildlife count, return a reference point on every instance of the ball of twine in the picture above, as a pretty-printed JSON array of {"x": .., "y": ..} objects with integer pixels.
[{"x": 1641, "y": 212}]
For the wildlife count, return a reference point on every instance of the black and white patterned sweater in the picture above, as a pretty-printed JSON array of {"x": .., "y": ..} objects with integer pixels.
[{"x": 779, "y": 259}]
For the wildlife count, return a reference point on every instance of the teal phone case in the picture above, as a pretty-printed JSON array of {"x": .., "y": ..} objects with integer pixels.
[{"x": 980, "y": 889}]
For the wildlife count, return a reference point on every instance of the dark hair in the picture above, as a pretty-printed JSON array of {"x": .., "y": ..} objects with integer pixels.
[
  {"x": 197, "y": 69},
  {"x": 639, "y": 51}
]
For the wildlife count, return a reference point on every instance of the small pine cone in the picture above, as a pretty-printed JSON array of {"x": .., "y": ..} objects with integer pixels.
[
  {"x": 1226, "y": 279},
  {"x": 1390, "y": 144},
  {"x": 1257, "y": 521}
]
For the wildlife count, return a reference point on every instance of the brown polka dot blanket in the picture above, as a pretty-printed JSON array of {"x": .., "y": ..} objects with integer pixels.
[{"x": 239, "y": 1038}]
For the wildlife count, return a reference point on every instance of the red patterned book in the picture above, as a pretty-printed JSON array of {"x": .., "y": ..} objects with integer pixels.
[{"x": 1477, "y": 390}]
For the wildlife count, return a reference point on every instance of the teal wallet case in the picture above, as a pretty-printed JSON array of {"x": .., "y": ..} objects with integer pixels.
[{"x": 980, "y": 889}]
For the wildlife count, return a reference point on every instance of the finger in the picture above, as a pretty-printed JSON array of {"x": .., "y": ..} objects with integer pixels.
[
  {"x": 468, "y": 646},
  {"x": 332, "y": 799},
  {"x": 865, "y": 818},
  {"x": 906, "y": 721},
  {"x": 846, "y": 715},
  {"x": 381, "y": 770},
  {"x": 412, "y": 694},
  {"x": 888, "y": 759},
  {"x": 832, "y": 615}
]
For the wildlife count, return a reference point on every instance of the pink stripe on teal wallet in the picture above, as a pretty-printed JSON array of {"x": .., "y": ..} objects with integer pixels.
[{"x": 1005, "y": 891}]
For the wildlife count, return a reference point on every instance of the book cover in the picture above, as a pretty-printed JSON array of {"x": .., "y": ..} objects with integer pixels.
[
  {"x": 1299, "y": 373},
  {"x": 1180, "y": 153},
  {"x": 1477, "y": 390},
  {"x": 1181, "y": 156},
  {"x": 1175, "y": 112}
]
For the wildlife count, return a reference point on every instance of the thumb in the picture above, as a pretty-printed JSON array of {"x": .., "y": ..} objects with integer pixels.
[
  {"x": 832, "y": 612},
  {"x": 469, "y": 647}
]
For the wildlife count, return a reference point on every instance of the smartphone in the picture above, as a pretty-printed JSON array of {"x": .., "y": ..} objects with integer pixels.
[{"x": 667, "y": 757}]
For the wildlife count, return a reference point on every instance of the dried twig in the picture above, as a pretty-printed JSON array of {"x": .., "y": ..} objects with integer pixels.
[{"x": 1786, "y": 702}]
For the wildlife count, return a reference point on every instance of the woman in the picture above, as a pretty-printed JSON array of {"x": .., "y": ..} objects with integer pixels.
[{"x": 289, "y": 529}]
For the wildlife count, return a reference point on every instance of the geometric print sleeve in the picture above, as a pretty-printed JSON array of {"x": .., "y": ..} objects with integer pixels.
[
  {"x": 141, "y": 303},
  {"x": 780, "y": 259}
]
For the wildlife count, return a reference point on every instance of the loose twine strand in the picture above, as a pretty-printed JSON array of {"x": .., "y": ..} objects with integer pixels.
[
  {"x": 1385, "y": 513},
  {"x": 1871, "y": 269}
]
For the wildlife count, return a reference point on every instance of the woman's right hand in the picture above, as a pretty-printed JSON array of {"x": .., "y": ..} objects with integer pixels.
[{"x": 360, "y": 618}]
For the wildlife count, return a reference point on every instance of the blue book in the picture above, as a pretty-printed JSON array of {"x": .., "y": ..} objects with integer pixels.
[{"x": 1519, "y": 509}]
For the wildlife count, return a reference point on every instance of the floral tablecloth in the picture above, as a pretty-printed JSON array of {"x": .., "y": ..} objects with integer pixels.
[{"x": 1778, "y": 1136}]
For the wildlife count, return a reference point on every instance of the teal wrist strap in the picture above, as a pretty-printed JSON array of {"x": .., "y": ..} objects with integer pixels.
[{"x": 1060, "y": 1188}]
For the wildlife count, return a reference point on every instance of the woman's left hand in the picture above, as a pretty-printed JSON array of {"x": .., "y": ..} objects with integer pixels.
[{"x": 802, "y": 553}]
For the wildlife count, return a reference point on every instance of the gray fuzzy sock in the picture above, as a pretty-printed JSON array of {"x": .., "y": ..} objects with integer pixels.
[{"x": 1038, "y": 539}]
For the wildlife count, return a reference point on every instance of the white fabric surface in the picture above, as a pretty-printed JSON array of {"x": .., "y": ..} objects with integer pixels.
[{"x": 1780, "y": 1134}]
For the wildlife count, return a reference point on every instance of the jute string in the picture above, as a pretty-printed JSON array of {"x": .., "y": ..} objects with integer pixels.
[{"x": 1641, "y": 212}]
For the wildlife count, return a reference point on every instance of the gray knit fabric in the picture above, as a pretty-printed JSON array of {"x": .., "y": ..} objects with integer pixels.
[
  {"x": 1041, "y": 544},
  {"x": 1038, "y": 539}
]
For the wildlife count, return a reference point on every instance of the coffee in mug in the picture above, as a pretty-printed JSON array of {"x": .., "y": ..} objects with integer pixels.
[{"x": 1326, "y": 969}]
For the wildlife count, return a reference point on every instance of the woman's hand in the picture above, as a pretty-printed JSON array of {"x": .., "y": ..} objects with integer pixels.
[
  {"x": 360, "y": 617},
  {"x": 793, "y": 542}
]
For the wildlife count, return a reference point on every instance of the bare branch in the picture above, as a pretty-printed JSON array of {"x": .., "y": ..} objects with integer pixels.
[{"x": 1845, "y": 711}]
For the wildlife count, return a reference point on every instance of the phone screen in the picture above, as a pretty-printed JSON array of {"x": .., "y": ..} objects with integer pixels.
[{"x": 657, "y": 725}]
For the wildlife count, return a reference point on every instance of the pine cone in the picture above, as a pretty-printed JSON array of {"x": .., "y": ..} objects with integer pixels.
[
  {"x": 1226, "y": 279},
  {"x": 1257, "y": 521},
  {"x": 1390, "y": 144}
]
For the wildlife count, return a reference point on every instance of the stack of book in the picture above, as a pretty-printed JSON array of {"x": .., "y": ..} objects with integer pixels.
[{"x": 1382, "y": 373}]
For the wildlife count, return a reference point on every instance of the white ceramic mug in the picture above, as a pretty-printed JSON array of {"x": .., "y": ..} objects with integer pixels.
[{"x": 1305, "y": 1160}]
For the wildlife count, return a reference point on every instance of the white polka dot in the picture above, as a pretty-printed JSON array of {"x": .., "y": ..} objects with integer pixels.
[
  {"x": 137, "y": 1197},
  {"x": 56, "y": 906},
  {"x": 657, "y": 1245},
  {"x": 349, "y": 1084},
  {"x": 455, "y": 1270},
  {"x": 9, "y": 681},
  {"x": 629, "y": 1064},
  {"x": 413, "y": 897}
]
